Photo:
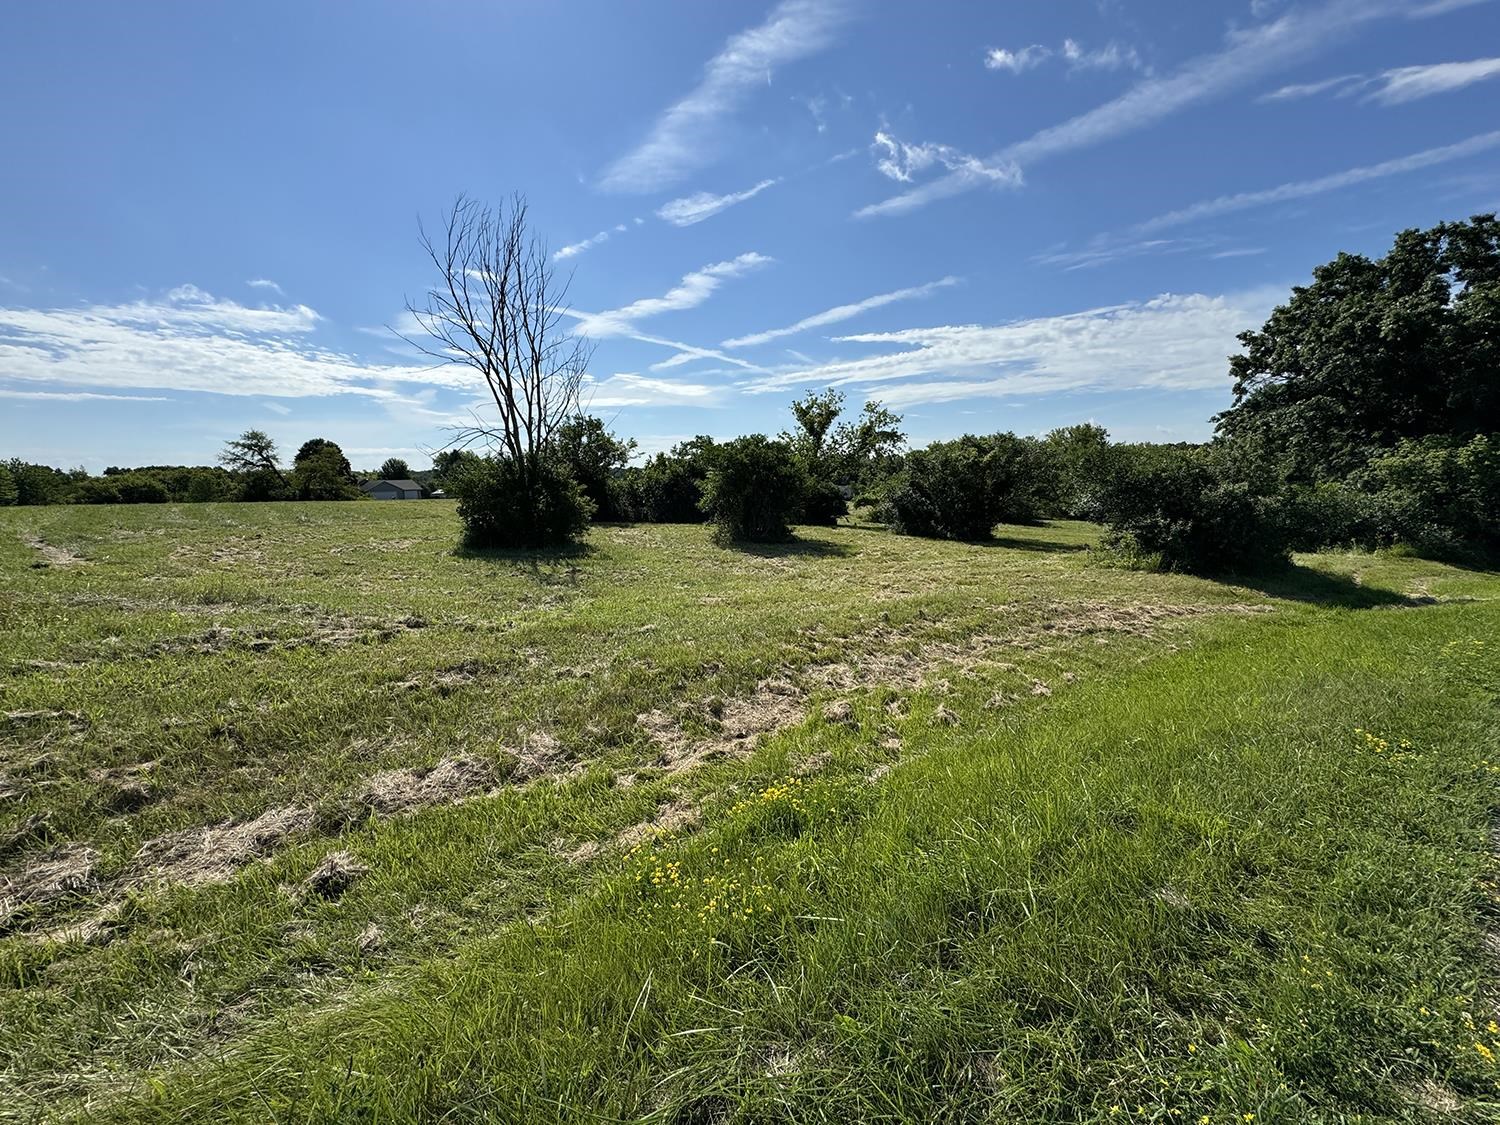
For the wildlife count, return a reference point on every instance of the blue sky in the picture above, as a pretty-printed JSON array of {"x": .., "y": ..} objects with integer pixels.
[{"x": 990, "y": 216}]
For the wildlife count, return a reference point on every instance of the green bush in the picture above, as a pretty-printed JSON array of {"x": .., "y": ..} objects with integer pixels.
[
  {"x": 1434, "y": 494},
  {"x": 1175, "y": 506},
  {"x": 595, "y": 458},
  {"x": 823, "y": 504},
  {"x": 961, "y": 489},
  {"x": 505, "y": 502},
  {"x": 8, "y": 490},
  {"x": 669, "y": 488},
  {"x": 753, "y": 489}
]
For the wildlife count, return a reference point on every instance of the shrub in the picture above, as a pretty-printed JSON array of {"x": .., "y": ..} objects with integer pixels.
[
  {"x": 504, "y": 502},
  {"x": 1174, "y": 505},
  {"x": 753, "y": 489},
  {"x": 1434, "y": 494},
  {"x": 823, "y": 504},
  {"x": 953, "y": 489},
  {"x": 669, "y": 488}
]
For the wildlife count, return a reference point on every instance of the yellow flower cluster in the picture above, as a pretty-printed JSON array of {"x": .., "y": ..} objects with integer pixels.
[
  {"x": 1371, "y": 741},
  {"x": 725, "y": 895},
  {"x": 786, "y": 792}
]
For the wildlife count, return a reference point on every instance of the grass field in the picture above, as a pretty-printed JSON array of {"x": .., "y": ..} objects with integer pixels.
[{"x": 306, "y": 816}]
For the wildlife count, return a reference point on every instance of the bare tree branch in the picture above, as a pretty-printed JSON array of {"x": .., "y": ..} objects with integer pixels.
[{"x": 498, "y": 310}]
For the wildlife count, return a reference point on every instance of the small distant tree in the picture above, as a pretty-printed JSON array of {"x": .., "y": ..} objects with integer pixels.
[
  {"x": 253, "y": 456},
  {"x": 815, "y": 414},
  {"x": 1077, "y": 459},
  {"x": 448, "y": 464},
  {"x": 394, "y": 468},
  {"x": 8, "y": 490},
  {"x": 325, "y": 475},
  {"x": 320, "y": 471},
  {"x": 754, "y": 488},
  {"x": 40, "y": 484},
  {"x": 498, "y": 309},
  {"x": 868, "y": 448}
]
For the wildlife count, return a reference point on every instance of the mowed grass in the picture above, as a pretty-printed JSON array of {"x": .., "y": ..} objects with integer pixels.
[{"x": 1021, "y": 837}]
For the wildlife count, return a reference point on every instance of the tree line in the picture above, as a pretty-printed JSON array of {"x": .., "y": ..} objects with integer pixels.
[
  {"x": 1366, "y": 413},
  {"x": 249, "y": 469}
]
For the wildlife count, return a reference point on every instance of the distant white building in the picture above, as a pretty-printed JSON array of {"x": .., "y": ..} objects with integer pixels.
[{"x": 392, "y": 489}]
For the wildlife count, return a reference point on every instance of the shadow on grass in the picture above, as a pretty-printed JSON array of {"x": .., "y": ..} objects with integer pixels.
[
  {"x": 547, "y": 566},
  {"x": 1045, "y": 546},
  {"x": 1304, "y": 584},
  {"x": 806, "y": 548}
]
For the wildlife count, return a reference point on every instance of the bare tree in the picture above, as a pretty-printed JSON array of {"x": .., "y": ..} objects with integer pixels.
[{"x": 499, "y": 309}]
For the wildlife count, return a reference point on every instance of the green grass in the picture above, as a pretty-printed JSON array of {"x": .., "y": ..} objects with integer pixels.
[{"x": 1171, "y": 880}]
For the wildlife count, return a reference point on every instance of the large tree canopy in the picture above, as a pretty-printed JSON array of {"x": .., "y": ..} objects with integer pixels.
[{"x": 1374, "y": 352}]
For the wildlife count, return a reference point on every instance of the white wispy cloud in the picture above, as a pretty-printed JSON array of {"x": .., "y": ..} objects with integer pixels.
[
  {"x": 1019, "y": 61},
  {"x": 1249, "y": 54},
  {"x": 842, "y": 312},
  {"x": 629, "y": 389},
  {"x": 265, "y": 283},
  {"x": 78, "y": 396},
  {"x": 1141, "y": 238},
  {"x": 1301, "y": 189},
  {"x": 1408, "y": 83},
  {"x": 1178, "y": 342},
  {"x": 573, "y": 249},
  {"x": 1395, "y": 86},
  {"x": 903, "y": 162},
  {"x": 1340, "y": 83},
  {"x": 1111, "y": 56},
  {"x": 687, "y": 136},
  {"x": 192, "y": 341},
  {"x": 702, "y": 205},
  {"x": 689, "y": 293}
]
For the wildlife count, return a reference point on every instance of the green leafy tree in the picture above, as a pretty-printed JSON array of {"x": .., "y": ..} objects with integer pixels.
[
  {"x": 1076, "y": 462},
  {"x": 253, "y": 456},
  {"x": 8, "y": 490},
  {"x": 867, "y": 449},
  {"x": 1375, "y": 352},
  {"x": 595, "y": 457},
  {"x": 394, "y": 468},
  {"x": 40, "y": 484},
  {"x": 815, "y": 414},
  {"x": 324, "y": 474}
]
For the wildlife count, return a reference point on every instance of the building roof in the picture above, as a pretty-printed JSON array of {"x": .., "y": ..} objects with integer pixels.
[{"x": 399, "y": 485}]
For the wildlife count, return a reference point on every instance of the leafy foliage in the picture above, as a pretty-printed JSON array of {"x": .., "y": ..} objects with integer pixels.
[
  {"x": 395, "y": 468},
  {"x": 754, "y": 488},
  {"x": 961, "y": 489},
  {"x": 1176, "y": 507},
  {"x": 669, "y": 487},
  {"x": 595, "y": 457},
  {"x": 324, "y": 474},
  {"x": 1374, "y": 353},
  {"x": 8, "y": 490},
  {"x": 525, "y": 502},
  {"x": 1435, "y": 494}
]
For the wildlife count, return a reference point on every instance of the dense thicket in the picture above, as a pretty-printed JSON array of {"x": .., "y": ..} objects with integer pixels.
[{"x": 755, "y": 487}]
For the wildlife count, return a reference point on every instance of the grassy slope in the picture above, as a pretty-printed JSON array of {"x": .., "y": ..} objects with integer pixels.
[{"x": 1034, "y": 916}]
